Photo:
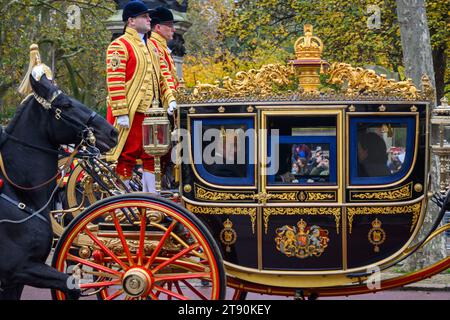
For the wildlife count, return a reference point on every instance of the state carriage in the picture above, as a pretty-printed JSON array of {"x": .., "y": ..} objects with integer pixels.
[{"x": 283, "y": 190}]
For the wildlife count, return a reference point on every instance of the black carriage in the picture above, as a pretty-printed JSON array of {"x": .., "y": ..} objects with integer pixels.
[{"x": 283, "y": 190}]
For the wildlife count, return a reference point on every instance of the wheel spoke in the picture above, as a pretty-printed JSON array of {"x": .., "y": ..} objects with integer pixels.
[
  {"x": 174, "y": 258},
  {"x": 160, "y": 244},
  {"x": 99, "y": 284},
  {"x": 169, "y": 287},
  {"x": 170, "y": 293},
  {"x": 177, "y": 286},
  {"x": 105, "y": 249},
  {"x": 153, "y": 296},
  {"x": 140, "y": 253},
  {"x": 122, "y": 239},
  {"x": 115, "y": 295},
  {"x": 181, "y": 276},
  {"x": 198, "y": 293},
  {"x": 93, "y": 265}
]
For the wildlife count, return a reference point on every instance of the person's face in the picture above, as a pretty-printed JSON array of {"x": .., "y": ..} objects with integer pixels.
[
  {"x": 395, "y": 155},
  {"x": 141, "y": 23},
  {"x": 166, "y": 30}
]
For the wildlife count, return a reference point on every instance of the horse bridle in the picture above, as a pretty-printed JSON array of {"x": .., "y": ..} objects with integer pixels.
[{"x": 87, "y": 133}]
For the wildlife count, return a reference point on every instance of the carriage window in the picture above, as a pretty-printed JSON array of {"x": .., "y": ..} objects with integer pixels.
[
  {"x": 223, "y": 150},
  {"x": 381, "y": 149},
  {"x": 306, "y": 150}
]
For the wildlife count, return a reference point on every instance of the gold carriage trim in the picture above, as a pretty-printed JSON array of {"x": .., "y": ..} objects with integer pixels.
[
  {"x": 303, "y": 196},
  {"x": 284, "y": 196},
  {"x": 413, "y": 209},
  {"x": 211, "y": 195},
  {"x": 274, "y": 211},
  {"x": 400, "y": 193},
  {"x": 224, "y": 211},
  {"x": 318, "y": 196}
]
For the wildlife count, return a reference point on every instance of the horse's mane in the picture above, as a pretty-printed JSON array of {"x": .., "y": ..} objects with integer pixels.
[{"x": 19, "y": 111}]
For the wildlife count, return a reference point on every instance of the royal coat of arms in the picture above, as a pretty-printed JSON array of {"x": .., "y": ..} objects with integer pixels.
[
  {"x": 376, "y": 235},
  {"x": 302, "y": 241},
  {"x": 228, "y": 235}
]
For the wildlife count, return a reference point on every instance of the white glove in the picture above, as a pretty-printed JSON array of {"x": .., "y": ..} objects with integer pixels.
[
  {"x": 123, "y": 121},
  {"x": 38, "y": 72},
  {"x": 172, "y": 107}
]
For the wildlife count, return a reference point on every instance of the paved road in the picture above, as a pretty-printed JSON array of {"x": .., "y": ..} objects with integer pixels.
[{"x": 43, "y": 294}]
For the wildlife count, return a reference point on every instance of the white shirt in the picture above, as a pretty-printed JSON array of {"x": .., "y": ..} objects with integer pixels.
[{"x": 142, "y": 35}]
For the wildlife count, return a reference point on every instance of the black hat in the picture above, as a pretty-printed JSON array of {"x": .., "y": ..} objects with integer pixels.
[
  {"x": 161, "y": 15},
  {"x": 134, "y": 9}
]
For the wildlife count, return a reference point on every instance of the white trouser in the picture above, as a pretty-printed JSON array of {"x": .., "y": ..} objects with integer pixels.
[{"x": 148, "y": 182}]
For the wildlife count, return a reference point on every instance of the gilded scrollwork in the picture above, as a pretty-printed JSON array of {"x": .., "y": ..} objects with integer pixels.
[
  {"x": 401, "y": 193},
  {"x": 209, "y": 210},
  {"x": 252, "y": 82},
  {"x": 211, "y": 195},
  {"x": 284, "y": 196},
  {"x": 273, "y": 211},
  {"x": 357, "y": 80},
  {"x": 413, "y": 209},
  {"x": 320, "y": 196}
]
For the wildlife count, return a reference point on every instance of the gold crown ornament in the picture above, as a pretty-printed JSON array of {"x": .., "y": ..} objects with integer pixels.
[{"x": 308, "y": 61}]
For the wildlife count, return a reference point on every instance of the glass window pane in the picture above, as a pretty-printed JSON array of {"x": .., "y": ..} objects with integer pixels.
[
  {"x": 227, "y": 154},
  {"x": 305, "y": 150},
  {"x": 223, "y": 150},
  {"x": 381, "y": 148}
]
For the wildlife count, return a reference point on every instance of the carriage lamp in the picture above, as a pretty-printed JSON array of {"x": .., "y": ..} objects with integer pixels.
[
  {"x": 440, "y": 143},
  {"x": 156, "y": 137}
]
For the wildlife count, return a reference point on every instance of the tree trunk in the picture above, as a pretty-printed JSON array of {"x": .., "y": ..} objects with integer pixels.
[
  {"x": 440, "y": 65},
  {"x": 415, "y": 35},
  {"x": 418, "y": 61}
]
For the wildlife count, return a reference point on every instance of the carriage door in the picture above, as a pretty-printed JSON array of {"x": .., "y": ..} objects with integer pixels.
[{"x": 301, "y": 174}]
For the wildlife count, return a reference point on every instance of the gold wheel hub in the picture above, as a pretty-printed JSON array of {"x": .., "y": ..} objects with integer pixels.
[{"x": 137, "y": 282}]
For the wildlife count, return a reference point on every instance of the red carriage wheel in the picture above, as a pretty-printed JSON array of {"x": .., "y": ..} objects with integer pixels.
[{"x": 167, "y": 253}]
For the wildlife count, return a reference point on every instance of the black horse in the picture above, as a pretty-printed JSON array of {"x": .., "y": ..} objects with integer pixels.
[{"x": 29, "y": 147}]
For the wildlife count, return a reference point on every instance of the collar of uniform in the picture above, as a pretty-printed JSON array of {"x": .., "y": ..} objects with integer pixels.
[
  {"x": 134, "y": 34},
  {"x": 159, "y": 39}
]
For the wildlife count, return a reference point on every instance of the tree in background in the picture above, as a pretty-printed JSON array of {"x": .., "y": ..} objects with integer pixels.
[{"x": 73, "y": 47}]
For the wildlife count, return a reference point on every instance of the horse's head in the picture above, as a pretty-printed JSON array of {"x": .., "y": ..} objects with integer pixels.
[{"x": 72, "y": 121}]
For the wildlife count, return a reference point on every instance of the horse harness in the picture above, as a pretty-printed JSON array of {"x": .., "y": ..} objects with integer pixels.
[{"x": 86, "y": 136}]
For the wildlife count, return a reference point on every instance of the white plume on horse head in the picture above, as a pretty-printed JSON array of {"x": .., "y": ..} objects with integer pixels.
[{"x": 36, "y": 68}]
